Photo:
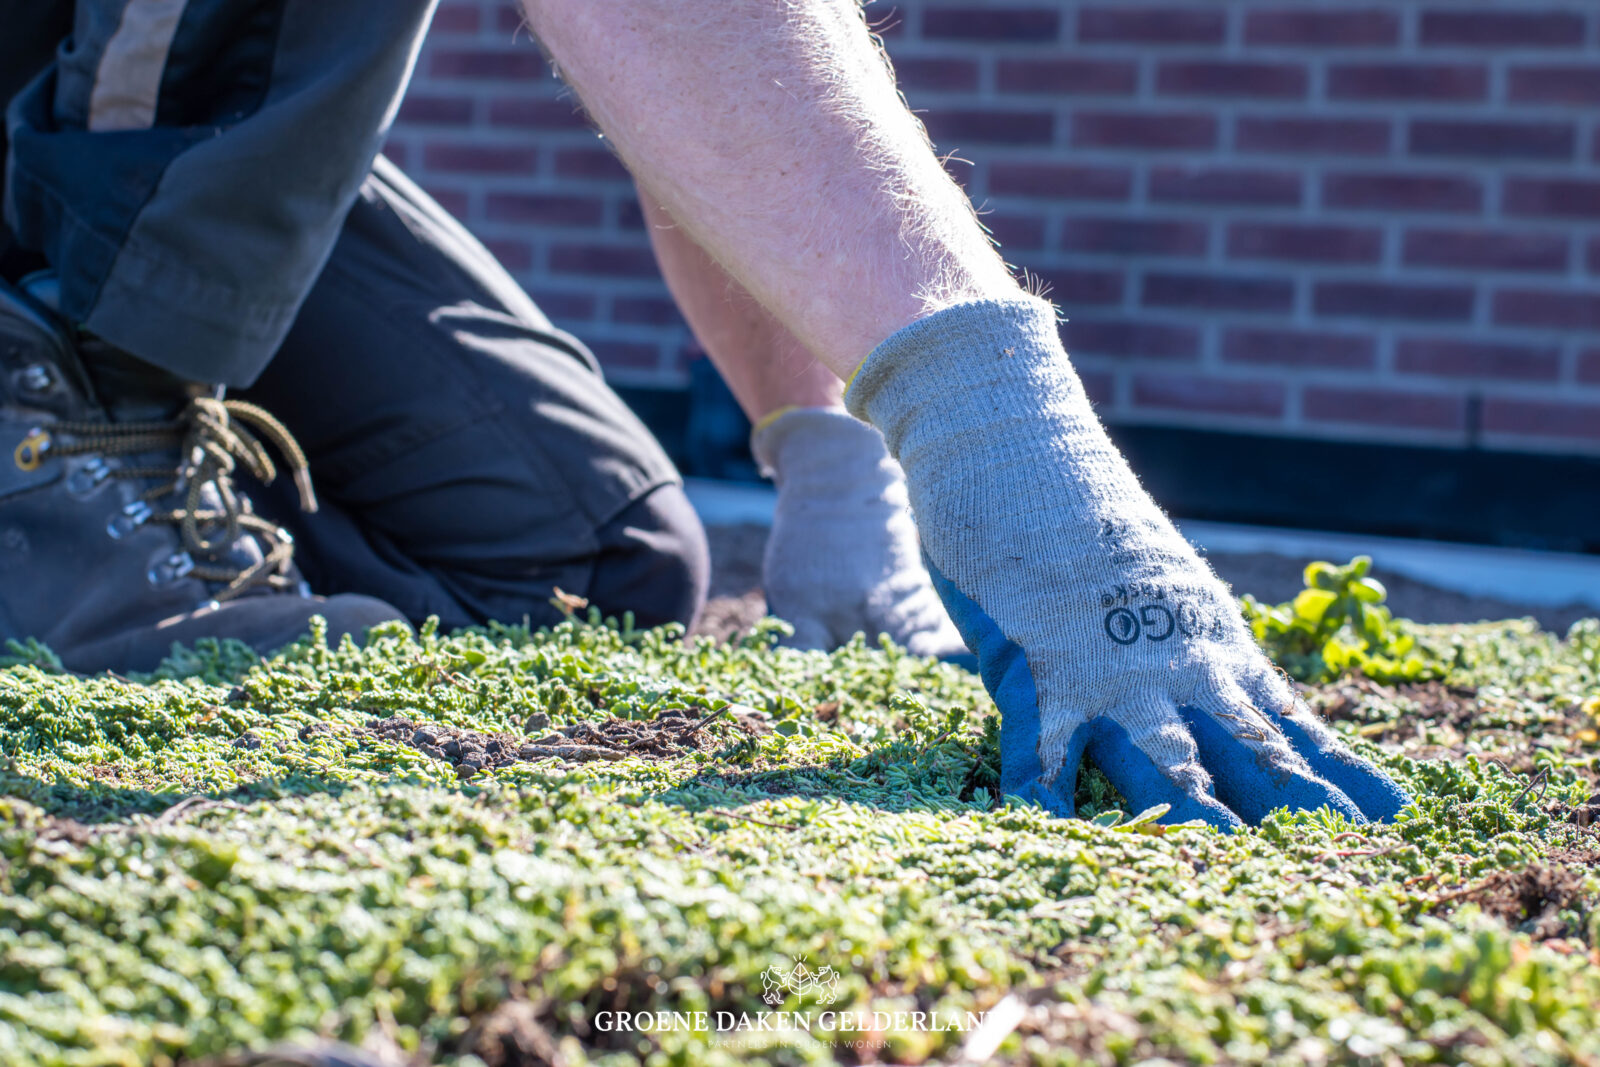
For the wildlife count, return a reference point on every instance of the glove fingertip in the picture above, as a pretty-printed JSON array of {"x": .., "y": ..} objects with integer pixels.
[
  {"x": 1379, "y": 797},
  {"x": 1057, "y": 803},
  {"x": 1208, "y": 810},
  {"x": 1144, "y": 784}
]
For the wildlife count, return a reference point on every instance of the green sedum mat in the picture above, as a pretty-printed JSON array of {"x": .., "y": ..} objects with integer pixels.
[{"x": 354, "y": 844}]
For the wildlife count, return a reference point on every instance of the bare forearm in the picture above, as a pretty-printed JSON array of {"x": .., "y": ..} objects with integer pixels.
[
  {"x": 764, "y": 364},
  {"x": 772, "y": 132}
]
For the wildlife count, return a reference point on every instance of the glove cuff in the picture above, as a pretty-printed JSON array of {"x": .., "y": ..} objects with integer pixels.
[
  {"x": 956, "y": 357},
  {"x": 827, "y": 439}
]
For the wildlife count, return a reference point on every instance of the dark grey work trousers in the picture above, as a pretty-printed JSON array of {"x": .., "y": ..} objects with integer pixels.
[{"x": 203, "y": 176}]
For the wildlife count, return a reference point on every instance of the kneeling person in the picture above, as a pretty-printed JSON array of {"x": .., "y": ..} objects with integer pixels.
[{"x": 468, "y": 460}]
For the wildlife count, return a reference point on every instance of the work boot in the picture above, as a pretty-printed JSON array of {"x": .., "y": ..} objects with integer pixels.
[{"x": 121, "y": 532}]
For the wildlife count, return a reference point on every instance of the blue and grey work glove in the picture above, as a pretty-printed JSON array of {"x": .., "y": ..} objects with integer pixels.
[
  {"x": 1098, "y": 629},
  {"x": 843, "y": 555}
]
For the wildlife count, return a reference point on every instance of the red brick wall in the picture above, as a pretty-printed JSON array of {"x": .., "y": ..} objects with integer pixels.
[{"x": 1374, "y": 220}]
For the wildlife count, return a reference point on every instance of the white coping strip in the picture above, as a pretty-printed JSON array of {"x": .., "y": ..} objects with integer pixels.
[
  {"x": 1513, "y": 574},
  {"x": 731, "y": 503}
]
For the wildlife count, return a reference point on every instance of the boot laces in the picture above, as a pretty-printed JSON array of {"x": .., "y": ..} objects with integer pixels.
[{"x": 213, "y": 436}]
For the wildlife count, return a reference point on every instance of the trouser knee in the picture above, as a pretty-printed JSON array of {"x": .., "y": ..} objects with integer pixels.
[
  {"x": 653, "y": 561},
  {"x": 469, "y": 457}
]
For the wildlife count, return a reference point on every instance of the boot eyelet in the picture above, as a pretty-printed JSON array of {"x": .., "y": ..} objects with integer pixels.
[
  {"x": 174, "y": 567},
  {"x": 30, "y": 452},
  {"x": 132, "y": 517},
  {"x": 86, "y": 479},
  {"x": 36, "y": 378}
]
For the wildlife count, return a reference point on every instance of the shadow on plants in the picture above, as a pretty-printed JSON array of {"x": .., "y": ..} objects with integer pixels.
[
  {"x": 76, "y": 805},
  {"x": 949, "y": 771}
]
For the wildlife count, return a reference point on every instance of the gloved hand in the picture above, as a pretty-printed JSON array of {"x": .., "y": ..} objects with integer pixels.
[
  {"x": 843, "y": 556},
  {"x": 1098, "y": 628}
]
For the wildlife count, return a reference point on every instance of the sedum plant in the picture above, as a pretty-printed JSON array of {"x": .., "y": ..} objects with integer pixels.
[{"x": 1337, "y": 624}]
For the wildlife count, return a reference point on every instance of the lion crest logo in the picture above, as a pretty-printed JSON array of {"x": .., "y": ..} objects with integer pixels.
[{"x": 802, "y": 981}]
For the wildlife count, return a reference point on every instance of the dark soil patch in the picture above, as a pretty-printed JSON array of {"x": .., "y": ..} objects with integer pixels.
[
  {"x": 1432, "y": 702},
  {"x": 61, "y": 828},
  {"x": 514, "y": 1035},
  {"x": 1392, "y": 714},
  {"x": 734, "y": 602},
  {"x": 1587, "y": 813},
  {"x": 673, "y": 733},
  {"x": 1533, "y": 897},
  {"x": 76, "y": 832},
  {"x": 1092, "y": 1033}
]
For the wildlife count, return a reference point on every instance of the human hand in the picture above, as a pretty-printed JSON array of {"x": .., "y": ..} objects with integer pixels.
[
  {"x": 843, "y": 555},
  {"x": 1098, "y": 629}
]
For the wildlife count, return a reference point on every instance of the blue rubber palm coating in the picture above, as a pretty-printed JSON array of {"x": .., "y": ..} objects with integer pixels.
[
  {"x": 1373, "y": 792},
  {"x": 1006, "y": 675},
  {"x": 1010, "y": 683},
  {"x": 1248, "y": 786},
  {"x": 1141, "y": 782}
]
